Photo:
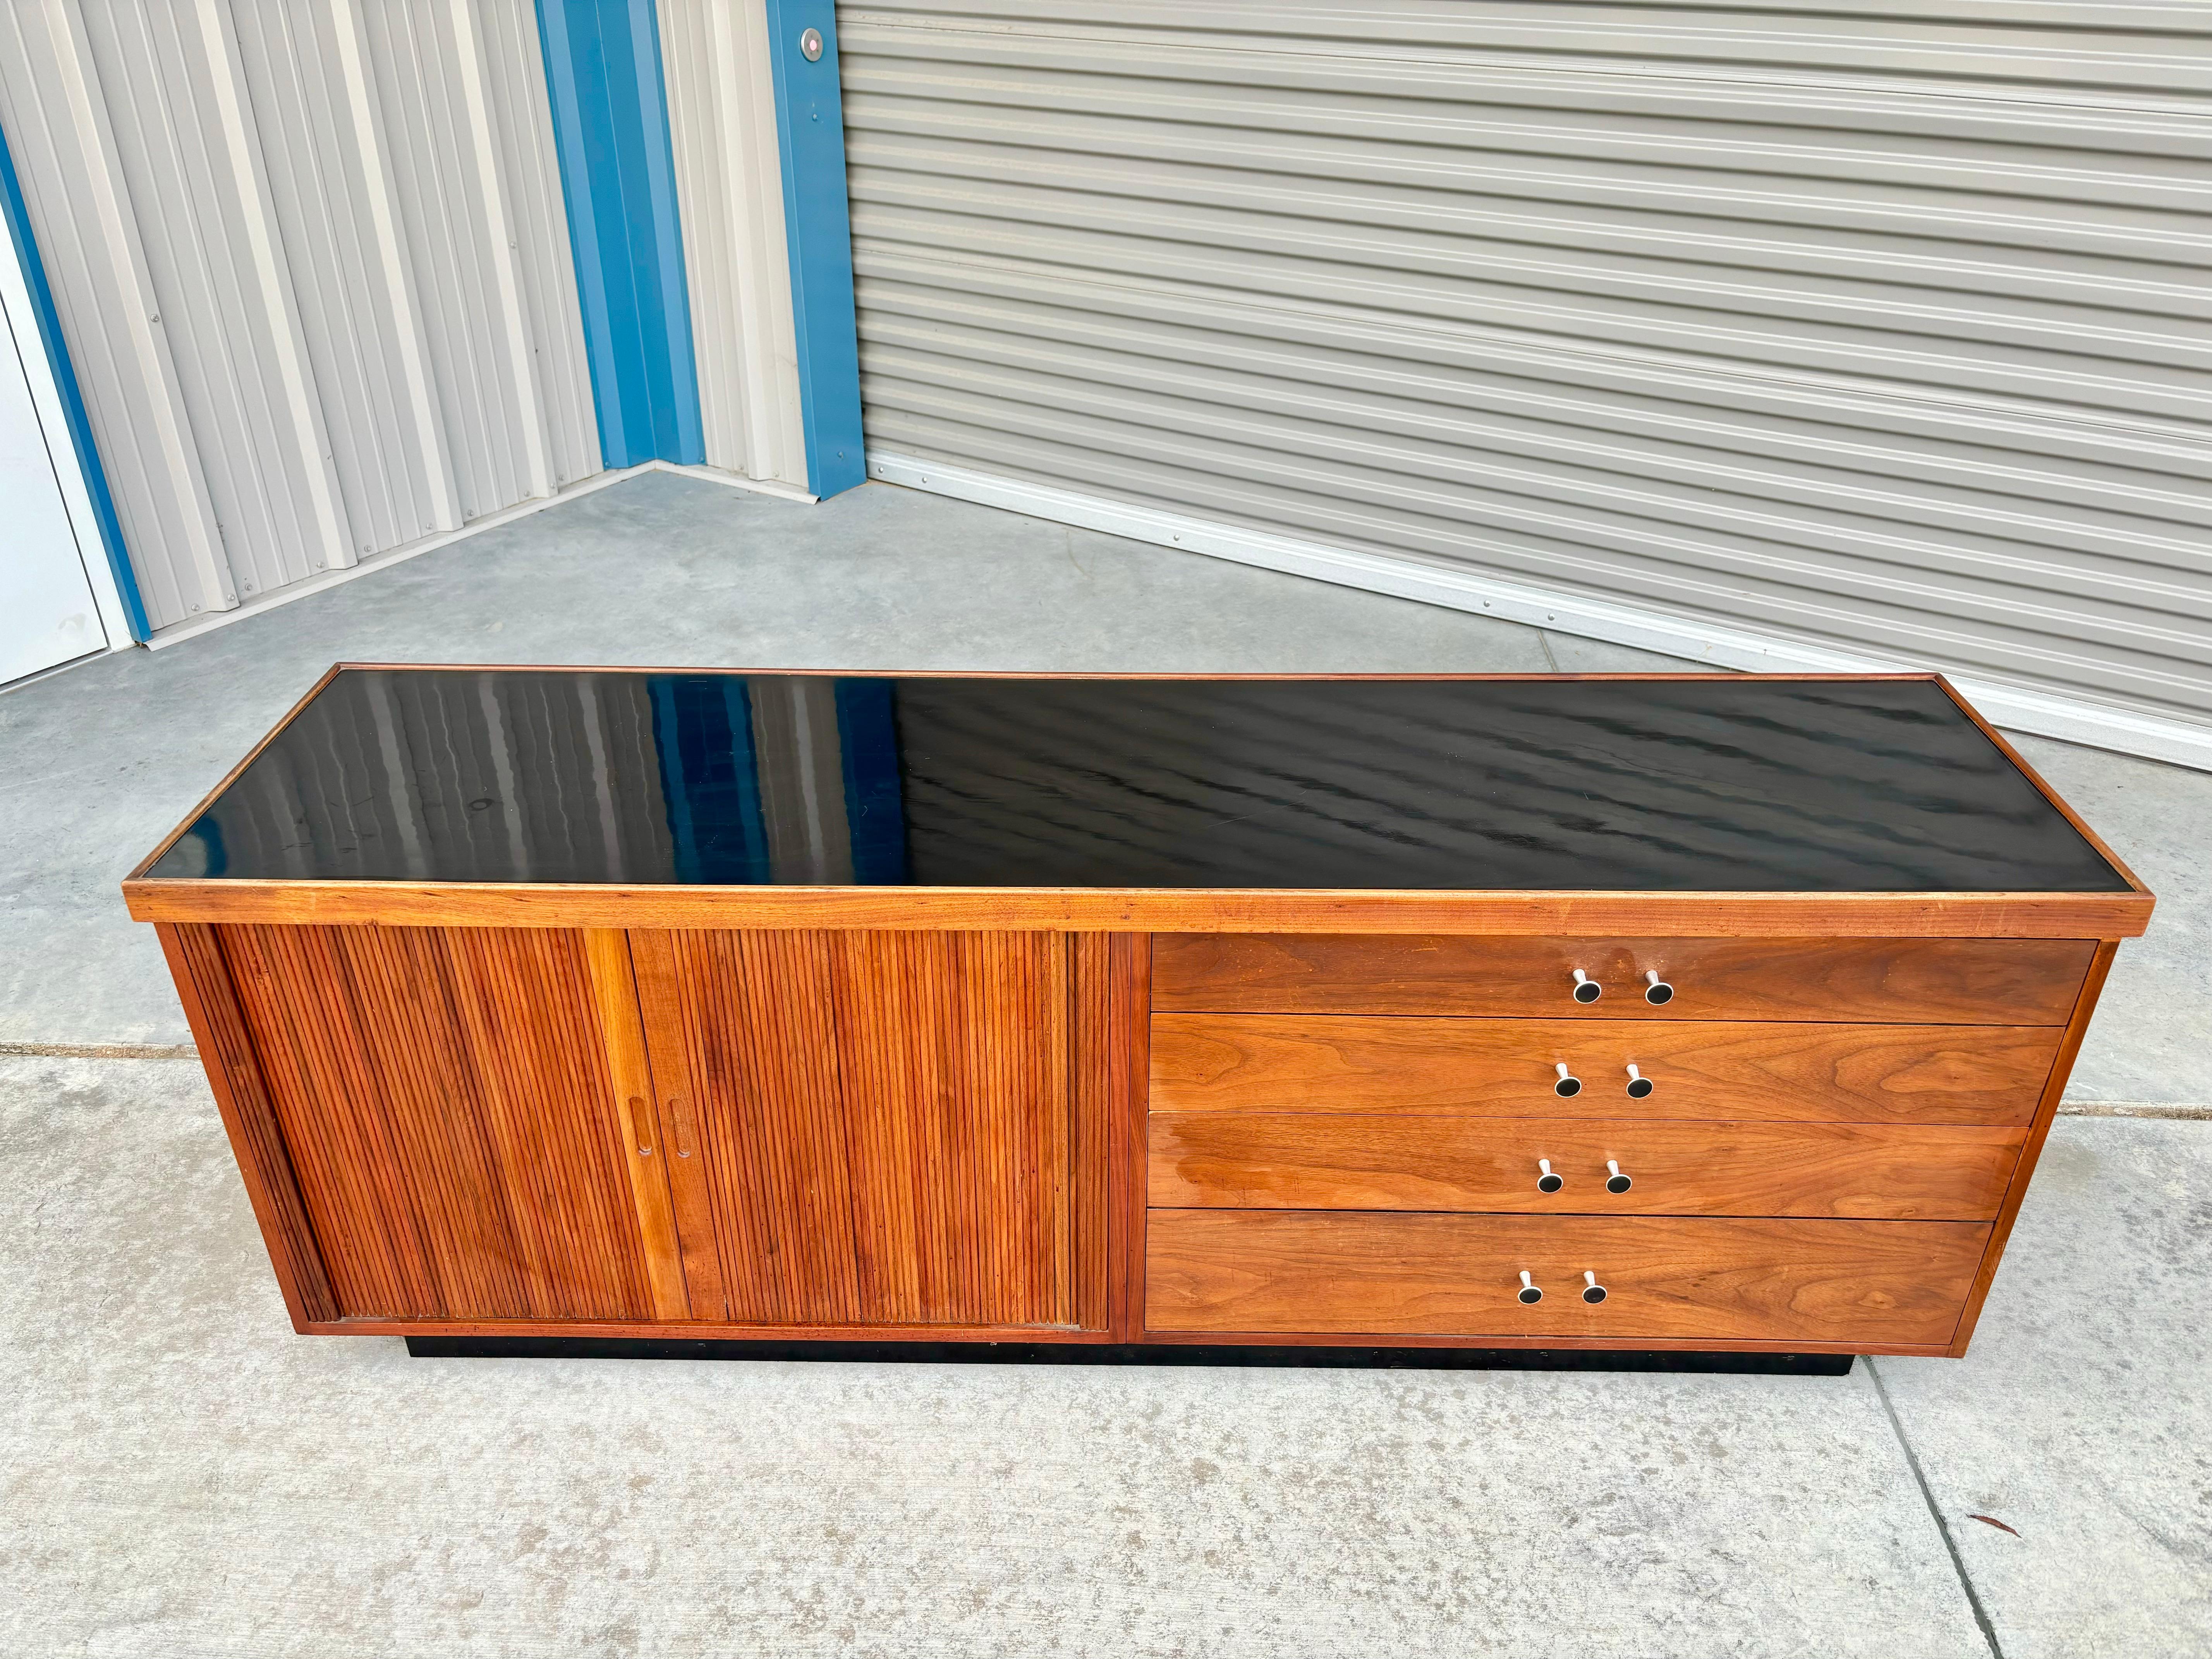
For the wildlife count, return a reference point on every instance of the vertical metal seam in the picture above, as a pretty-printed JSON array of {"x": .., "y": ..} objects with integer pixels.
[
  {"x": 819, "y": 231},
  {"x": 521, "y": 355},
  {"x": 115, "y": 222},
  {"x": 272, "y": 271},
  {"x": 645, "y": 381},
  {"x": 348, "y": 29}
]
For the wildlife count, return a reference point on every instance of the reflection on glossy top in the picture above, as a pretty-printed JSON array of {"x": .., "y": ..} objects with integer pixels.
[{"x": 549, "y": 776}]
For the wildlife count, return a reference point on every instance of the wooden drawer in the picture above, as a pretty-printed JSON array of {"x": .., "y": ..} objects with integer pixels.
[
  {"x": 1351, "y": 1161},
  {"x": 1858, "y": 1284},
  {"x": 1736, "y": 1069},
  {"x": 1925, "y": 982}
]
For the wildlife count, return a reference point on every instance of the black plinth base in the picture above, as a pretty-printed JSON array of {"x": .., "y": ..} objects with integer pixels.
[{"x": 1090, "y": 1353}]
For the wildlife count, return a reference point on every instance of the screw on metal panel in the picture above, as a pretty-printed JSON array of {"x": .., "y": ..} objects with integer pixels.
[{"x": 810, "y": 44}]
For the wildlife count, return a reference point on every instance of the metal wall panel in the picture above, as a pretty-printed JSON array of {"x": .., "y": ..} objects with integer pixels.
[
  {"x": 312, "y": 265},
  {"x": 1886, "y": 333},
  {"x": 729, "y": 191}
]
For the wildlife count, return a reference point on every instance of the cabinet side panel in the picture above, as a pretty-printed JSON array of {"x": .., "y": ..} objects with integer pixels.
[
  {"x": 315, "y": 1053},
  {"x": 2054, "y": 1091},
  {"x": 257, "y": 1139}
]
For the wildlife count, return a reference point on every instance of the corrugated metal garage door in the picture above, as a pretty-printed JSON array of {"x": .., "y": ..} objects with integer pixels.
[
  {"x": 312, "y": 262},
  {"x": 1882, "y": 331}
]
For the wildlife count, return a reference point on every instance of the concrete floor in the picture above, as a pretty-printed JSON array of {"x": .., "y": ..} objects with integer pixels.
[{"x": 183, "y": 1477}]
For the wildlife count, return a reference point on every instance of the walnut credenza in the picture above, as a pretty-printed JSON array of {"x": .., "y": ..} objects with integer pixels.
[{"x": 618, "y": 1004}]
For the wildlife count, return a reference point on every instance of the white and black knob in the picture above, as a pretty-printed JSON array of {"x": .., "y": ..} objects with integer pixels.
[
  {"x": 1614, "y": 1180},
  {"x": 1569, "y": 1085},
  {"x": 1527, "y": 1295},
  {"x": 1639, "y": 1086},
  {"x": 1586, "y": 989},
  {"x": 1593, "y": 1292},
  {"x": 1656, "y": 991}
]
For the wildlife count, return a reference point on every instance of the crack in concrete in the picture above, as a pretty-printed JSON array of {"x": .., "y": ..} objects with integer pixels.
[
  {"x": 1935, "y": 1511},
  {"x": 102, "y": 1050}
]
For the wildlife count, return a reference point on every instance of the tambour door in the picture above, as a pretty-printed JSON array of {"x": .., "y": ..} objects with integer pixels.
[
  {"x": 871, "y": 1128},
  {"x": 446, "y": 1102}
]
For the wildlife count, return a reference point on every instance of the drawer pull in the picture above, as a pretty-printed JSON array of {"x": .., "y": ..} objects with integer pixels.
[
  {"x": 1656, "y": 989},
  {"x": 1638, "y": 1084},
  {"x": 1614, "y": 1180},
  {"x": 1528, "y": 1293},
  {"x": 1586, "y": 989},
  {"x": 1569, "y": 1085},
  {"x": 1545, "y": 1181},
  {"x": 1593, "y": 1292}
]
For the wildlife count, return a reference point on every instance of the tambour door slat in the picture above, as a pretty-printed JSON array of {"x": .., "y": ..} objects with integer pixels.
[
  {"x": 887, "y": 1122},
  {"x": 445, "y": 1098}
]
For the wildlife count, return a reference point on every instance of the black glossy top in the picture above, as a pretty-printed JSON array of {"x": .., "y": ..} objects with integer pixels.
[{"x": 626, "y": 776}]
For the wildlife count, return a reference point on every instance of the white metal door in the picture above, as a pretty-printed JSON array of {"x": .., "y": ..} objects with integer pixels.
[{"x": 47, "y": 614}]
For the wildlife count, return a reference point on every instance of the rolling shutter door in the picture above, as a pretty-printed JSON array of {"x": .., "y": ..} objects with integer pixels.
[{"x": 1880, "y": 335}]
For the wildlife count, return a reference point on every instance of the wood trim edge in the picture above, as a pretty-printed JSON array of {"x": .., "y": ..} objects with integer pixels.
[
  {"x": 1129, "y": 1028},
  {"x": 1319, "y": 910},
  {"x": 725, "y": 1330}
]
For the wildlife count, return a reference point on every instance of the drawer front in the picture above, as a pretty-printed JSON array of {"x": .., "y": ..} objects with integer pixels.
[
  {"x": 1853, "y": 1284},
  {"x": 1352, "y": 1161},
  {"x": 1924, "y": 981},
  {"x": 1733, "y": 1069}
]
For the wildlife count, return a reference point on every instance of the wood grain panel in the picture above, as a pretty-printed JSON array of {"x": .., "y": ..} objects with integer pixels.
[
  {"x": 888, "y": 1122},
  {"x": 446, "y": 1100},
  {"x": 1870, "y": 1283},
  {"x": 1748, "y": 1069},
  {"x": 1348, "y": 1161},
  {"x": 1921, "y": 982},
  {"x": 1380, "y": 911}
]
